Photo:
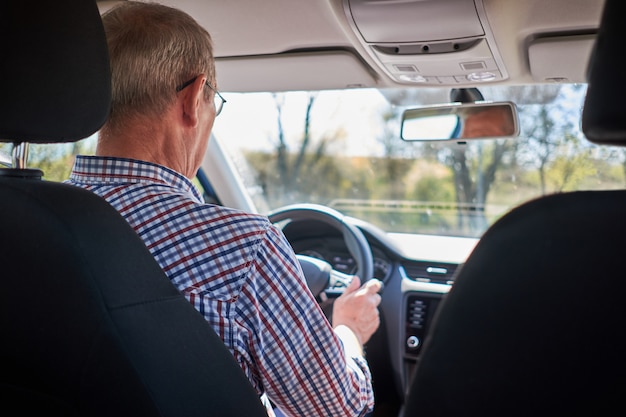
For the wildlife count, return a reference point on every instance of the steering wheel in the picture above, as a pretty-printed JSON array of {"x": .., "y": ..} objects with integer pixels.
[{"x": 323, "y": 281}]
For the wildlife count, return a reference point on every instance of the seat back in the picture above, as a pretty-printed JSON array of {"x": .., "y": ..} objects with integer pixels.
[
  {"x": 91, "y": 325},
  {"x": 534, "y": 323},
  {"x": 603, "y": 119}
]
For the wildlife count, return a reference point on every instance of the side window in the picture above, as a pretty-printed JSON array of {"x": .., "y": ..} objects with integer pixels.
[{"x": 55, "y": 160}]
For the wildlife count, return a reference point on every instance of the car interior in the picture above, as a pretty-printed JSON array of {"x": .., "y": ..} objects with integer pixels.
[{"x": 524, "y": 318}]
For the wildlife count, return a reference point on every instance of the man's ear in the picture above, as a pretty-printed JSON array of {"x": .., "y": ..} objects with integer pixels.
[{"x": 191, "y": 98}]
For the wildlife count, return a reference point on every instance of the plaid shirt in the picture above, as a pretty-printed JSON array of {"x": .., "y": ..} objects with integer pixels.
[{"x": 239, "y": 271}]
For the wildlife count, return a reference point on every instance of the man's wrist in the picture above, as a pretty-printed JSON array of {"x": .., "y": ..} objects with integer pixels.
[{"x": 351, "y": 341}]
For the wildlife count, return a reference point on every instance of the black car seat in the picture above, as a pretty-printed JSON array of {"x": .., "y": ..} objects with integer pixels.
[
  {"x": 91, "y": 326},
  {"x": 535, "y": 323}
]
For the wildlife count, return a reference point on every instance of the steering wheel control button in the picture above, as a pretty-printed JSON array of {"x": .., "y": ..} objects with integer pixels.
[{"x": 412, "y": 342}]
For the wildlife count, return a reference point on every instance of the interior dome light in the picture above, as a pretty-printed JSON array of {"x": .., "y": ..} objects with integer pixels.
[
  {"x": 481, "y": 76},
  {"x": 412, "y": 78}
]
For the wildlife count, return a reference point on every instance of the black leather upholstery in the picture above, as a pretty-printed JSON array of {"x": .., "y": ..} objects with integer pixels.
[
  {"x": 54, "y": 73},
  {"x": 534, "y": 323},
  {"x": 91, "y": 326}
]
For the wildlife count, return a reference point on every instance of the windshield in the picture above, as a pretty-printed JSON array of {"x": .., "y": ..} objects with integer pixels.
[{"x": 342, "y": 148}]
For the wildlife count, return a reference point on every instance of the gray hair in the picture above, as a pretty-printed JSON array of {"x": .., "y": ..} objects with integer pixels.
[{"x": 153, "y": 49}]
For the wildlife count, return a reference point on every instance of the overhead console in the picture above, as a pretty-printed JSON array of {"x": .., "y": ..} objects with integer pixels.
[{"x": 428, "y": 42}]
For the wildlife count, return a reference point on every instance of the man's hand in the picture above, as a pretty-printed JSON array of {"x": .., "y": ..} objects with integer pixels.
[{"x": 357, "y": 308}]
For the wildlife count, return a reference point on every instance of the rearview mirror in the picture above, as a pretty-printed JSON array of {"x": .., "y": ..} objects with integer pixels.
[{"x": 460, "y": 121}]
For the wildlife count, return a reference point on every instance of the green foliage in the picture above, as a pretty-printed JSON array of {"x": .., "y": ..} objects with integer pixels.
[
  {"x": 567, "y": 173},
  {"x": 336, "y": 177},
  {"x": 431, "y": 188},
  {"x": 56, "y": 160}
]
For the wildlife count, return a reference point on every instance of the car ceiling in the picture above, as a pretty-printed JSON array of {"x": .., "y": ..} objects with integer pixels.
[{"x": 282, "y": 45}]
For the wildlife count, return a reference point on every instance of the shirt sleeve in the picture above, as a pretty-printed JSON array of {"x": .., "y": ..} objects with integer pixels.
[{"x": 298, "y": 359}]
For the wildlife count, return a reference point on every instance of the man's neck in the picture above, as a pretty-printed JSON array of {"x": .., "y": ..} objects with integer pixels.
[{"x": 148, "y": 140}]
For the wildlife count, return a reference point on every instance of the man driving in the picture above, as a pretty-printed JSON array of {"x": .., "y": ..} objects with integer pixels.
[{"x": 236, "y": 268}]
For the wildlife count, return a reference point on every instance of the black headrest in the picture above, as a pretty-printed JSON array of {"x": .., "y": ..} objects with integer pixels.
[
  {"x": 604, "y": 113},
  {"x": 55, "y": 77}
]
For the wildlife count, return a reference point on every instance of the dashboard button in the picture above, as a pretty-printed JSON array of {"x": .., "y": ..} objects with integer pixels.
[{"x": 412, "y": 342}]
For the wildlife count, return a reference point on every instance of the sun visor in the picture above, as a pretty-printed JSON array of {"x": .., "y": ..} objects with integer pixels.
[
  {"x": 316, "y": 70},
  {"x": 428, "y": 42},
  {"x": 558, "y": 58}
]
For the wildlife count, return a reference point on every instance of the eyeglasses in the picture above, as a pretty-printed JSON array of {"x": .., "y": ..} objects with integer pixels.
[{"x": 218, "y": 99}]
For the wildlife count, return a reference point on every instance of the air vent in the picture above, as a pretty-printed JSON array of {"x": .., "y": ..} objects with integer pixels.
[{"x": 430, "y": 271}]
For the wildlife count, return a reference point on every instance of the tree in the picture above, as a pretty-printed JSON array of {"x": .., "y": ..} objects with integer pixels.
[
  {"x": 293, "y": 166},
  {"x": 571, "y": 165},
  {"x": 549, "y": 127},
  {"x": 396, "y": 160},
  {"x": 474, "y": 173}
]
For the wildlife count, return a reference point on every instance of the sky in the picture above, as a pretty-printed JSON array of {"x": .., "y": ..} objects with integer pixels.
[{"x": 250, "y": 120}]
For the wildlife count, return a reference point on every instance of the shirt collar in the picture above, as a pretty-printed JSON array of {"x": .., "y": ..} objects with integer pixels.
[{"x": 113, "y": 170}]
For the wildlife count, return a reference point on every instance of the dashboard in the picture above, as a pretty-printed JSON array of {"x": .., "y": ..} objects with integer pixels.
[
  {"x": 417, "y": 272},
  {"x": 336, "y": 254}
]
